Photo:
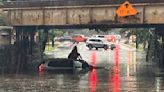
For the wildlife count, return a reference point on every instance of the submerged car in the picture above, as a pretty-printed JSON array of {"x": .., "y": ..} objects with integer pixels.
[{"x": 62, "y": 64}]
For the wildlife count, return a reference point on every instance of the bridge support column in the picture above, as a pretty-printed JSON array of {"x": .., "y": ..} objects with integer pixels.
[
  {"x": 151, "y": 47},
  {"x": 159, "y": 46},
  {"x": 46, "y": 37},
  {"x": 161, "y": 32},
  {"x": 23, "y": 49}
]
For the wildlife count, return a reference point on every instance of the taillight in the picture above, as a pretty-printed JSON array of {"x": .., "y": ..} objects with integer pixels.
[{"x": 41, "y": 67}]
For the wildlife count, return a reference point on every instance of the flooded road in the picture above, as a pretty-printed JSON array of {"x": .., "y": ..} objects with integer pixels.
[{"x": 124, "y": 70}]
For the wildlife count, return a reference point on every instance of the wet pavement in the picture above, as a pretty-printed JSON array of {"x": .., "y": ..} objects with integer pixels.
[{"x": 124, "y": 70}]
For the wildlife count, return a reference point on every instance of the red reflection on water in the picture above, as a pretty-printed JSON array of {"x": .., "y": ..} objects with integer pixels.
[
  {"x": 93, "y": 81},
  {"x": 93, "y": 77},
  {"x": 93, "y": 58},
  {"x": 117, "y": 55},
  {"x": 116, "y": 78}
]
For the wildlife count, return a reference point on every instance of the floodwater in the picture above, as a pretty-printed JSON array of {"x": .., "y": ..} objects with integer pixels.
[{"x": 134, "y": 75}]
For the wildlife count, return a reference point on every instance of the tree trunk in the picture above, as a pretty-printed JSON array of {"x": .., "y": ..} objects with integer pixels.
[
  {"x": 137, "y": 43},
  {"x": 53, "y": 43},
  {"x": 149, "y": 48},
  {"x": 45, "y": 39},
  {"x": 162, "y": 56}
]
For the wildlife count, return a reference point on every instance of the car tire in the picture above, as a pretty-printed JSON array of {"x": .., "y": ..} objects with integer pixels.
[
  {"x": 112, "y": 47},
  {"x": 105, "y": 47},
  {"x": 90, "y": 47}
]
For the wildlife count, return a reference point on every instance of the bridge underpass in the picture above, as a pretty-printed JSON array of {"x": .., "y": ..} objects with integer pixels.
[
  {"x": 27, "y": 20},
  {"x": 26, "y": 46},
  {"x": 131, "y": 75}
]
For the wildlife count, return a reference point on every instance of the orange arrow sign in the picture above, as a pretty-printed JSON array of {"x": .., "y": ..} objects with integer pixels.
[{"x": 126, "y": 9}]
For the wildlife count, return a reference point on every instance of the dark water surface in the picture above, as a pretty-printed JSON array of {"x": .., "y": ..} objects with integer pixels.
[
  {"x": 146, "y": 78},
  {"x": 124, "y": 74}
]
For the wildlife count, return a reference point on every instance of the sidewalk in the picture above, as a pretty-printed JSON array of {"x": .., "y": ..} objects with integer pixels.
[
  {"x": 132, "y": 47},
  {"x": 127, "y": 45}
]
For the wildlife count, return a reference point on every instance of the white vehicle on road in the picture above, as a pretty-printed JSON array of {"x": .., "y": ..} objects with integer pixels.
[{"x": 99, "y": 43}]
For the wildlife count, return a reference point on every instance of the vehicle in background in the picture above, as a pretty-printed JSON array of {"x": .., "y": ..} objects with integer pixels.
[
  {"x": 66, "y": 42},
  {"x": 65, "y": 38},
  {"x": 79, "y": 38},
  {"x": 100, "y": 36},
  {"x": 56, "y": 41},
  {"x": 111, "y": 38},
  {"x": 99, "y": 43},
  {"x": 118, "y": 38}
]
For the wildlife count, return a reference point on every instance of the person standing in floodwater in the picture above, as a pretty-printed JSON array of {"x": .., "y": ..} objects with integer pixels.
[{"x": 75, "y": 55}]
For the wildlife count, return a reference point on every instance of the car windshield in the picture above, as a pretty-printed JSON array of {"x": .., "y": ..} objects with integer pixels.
[
  {"x": 95, "y": 40},
  {"x": 101, "y": 36},
  {"x": 64, "y": 39}
]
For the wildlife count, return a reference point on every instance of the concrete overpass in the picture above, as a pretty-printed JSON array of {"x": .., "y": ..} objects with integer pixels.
[{"x": 88, "y": 16}]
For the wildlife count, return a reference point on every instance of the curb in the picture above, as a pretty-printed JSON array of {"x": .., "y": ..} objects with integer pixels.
[{"x": 127, "y": 45}]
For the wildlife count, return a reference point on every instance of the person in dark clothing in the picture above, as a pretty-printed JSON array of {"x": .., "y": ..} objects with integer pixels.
[{"x": 76, "y": 56}]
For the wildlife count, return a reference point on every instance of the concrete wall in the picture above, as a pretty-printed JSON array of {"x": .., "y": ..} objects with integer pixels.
[{"x": 71, "y": 15}]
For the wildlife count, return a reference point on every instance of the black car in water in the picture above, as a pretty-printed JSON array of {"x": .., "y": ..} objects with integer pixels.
[{"x": 63, "y": 64}]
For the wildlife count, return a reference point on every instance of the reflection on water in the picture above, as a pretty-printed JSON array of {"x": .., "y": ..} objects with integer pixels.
[
  {"x": 128, "y": 62},
  {"x": 124, "y": 75},
  {"x": 131, "y": 62},
  {"x": 116, "y": 78},
  {"x": 134, "y": 61},
  {"x": 93, "y": 76},
  {"x": 93, "y": 81},
  {"x": 157, "y": 84},
  {"x": 93, "y": 58}
]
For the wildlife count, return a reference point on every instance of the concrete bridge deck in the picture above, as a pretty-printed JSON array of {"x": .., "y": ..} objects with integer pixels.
[{"x": 149, "y": 14}]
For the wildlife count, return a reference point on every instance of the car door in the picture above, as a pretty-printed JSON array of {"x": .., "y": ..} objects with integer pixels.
[{"x": 98, "y": 43}]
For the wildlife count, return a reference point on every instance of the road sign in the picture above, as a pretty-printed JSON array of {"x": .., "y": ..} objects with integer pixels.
[{"x": 126, "y": 9}]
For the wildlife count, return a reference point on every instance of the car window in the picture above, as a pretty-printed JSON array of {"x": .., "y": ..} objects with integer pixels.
[
  {"x": 62, "y": 40},
  {"x": 101, "y": 36},
  {"x": 60, "y": 63},
  {"x": 99, "y": 41},
  {"x": 95, "y": 40},
  {"x": 91, "y": 39},
  {"x": 104, "y": 40}
]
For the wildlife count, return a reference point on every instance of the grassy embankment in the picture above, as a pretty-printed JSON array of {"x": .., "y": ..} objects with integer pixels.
[{"x": 49, "y": 48}]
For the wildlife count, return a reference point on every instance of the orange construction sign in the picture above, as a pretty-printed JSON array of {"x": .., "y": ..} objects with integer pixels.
[{"x": 126, "y": 9}]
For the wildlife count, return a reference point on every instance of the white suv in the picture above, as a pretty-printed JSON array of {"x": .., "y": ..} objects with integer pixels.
[{"x": 98, "y": 43}]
